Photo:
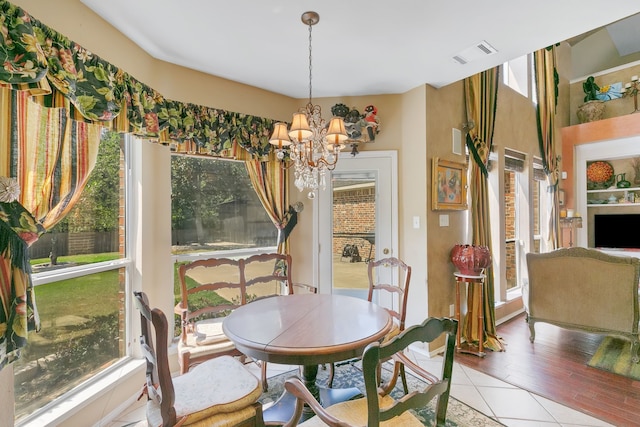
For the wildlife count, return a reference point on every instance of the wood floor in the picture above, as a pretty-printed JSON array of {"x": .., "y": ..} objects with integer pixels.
[{"x": 555, "y": 367}]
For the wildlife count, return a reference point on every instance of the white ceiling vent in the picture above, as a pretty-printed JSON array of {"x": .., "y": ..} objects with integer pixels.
[{"x": 477, "y": 51}]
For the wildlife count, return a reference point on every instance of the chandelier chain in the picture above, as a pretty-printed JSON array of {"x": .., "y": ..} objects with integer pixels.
[{"x": 310, "y": 67}]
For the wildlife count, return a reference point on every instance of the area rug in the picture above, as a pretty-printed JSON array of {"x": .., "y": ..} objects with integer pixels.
[
  {"x": 614, "y": 355},
  {"x": 350, "y": 375}
]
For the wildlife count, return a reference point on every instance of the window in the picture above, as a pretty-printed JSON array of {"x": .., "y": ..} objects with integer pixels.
[
  {"x": 513, "y": 176},
  {"x": 539, "y": 188},
  {"x": 80, "y": 277},
  {"x": 519, "y": 74},
  {"x": 215, "y": 208}
]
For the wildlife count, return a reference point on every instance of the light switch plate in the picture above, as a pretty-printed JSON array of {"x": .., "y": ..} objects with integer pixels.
[
  {"x": 416, "y": 222},
  {"x": 456, "y": 141},
  {"x": 444, "y": 220}
]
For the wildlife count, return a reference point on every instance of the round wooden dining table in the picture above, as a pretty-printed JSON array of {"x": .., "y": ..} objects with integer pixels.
[{"x": 306, "y": 330}]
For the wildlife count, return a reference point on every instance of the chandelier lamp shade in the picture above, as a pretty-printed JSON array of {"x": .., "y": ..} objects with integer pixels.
[{"x": 313, "y": 146}]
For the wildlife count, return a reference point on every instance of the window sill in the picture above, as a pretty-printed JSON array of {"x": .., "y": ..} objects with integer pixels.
[
  {"x": 514, "y": 294},
  {"x": 69, "y": 404}
]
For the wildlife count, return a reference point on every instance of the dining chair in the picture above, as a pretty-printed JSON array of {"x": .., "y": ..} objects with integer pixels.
[
  {"x": 210, "y": 289},
  {"x": 378, "y": 407},
  {"x": 389, "y": 280},
  {"x": 220, "y": 391}
]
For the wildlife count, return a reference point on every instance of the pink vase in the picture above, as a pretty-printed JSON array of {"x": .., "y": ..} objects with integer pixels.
[{"x": 470, "y": 260}]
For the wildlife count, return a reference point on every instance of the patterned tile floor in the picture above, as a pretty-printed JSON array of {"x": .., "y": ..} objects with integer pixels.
[{"x": 510, "y": 405}]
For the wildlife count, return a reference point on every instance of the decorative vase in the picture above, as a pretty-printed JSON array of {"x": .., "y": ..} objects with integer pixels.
[
  {"x": 590, "y": 111},
  {"x": 470, "y": 260}
]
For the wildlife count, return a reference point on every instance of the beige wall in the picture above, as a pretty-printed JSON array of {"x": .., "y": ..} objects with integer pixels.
[{"x": 445, "y": 110}]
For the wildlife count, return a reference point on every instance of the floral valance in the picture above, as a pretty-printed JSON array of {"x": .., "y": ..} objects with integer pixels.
[{"x": 39, "y": 59}]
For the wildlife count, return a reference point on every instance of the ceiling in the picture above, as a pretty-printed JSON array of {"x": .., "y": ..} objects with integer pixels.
[{"x": 358, "y": 47}]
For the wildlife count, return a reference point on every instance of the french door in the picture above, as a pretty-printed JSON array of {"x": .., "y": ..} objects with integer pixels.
[{"x": 357, "y": 221}]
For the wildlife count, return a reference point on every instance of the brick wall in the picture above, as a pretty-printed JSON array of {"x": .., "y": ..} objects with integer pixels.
[
  {"x": 510, "y": 227},
  {"x": 354, "y": 212}
]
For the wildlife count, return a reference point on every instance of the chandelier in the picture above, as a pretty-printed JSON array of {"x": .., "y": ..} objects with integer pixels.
[{"x": 313, "y": 146}]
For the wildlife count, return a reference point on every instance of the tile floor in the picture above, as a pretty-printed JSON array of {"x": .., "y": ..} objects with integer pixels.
[{"x": 510, "y": 405}]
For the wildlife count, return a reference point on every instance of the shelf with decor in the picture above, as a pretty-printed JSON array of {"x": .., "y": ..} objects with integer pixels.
[{"x": 613, "y": 196}]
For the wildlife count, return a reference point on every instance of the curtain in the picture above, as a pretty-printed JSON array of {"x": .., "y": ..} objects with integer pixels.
[
  {"x": 546, "y": 78},
  {"x": 271, "y": 183},
  {"x": 60, "y": 73},
  {"x": 18, "y": 313},
  {"x": 481, "y": 92},
  {"x": 51, "y": 156}
]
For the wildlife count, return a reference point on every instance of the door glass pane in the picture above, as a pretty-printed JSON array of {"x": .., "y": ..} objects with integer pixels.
[{"x": 354, "y": 231}]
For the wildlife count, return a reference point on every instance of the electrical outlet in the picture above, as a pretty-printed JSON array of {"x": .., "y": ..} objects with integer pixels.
[{"x": 452, "y": 310}]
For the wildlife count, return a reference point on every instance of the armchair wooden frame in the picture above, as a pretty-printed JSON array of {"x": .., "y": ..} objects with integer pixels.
[
  {"x": 236, "y": 282},
  {"x": 188, "y": 352}
]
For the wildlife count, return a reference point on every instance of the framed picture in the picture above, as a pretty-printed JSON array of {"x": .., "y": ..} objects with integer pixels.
[{"x": 448, "y": 185}]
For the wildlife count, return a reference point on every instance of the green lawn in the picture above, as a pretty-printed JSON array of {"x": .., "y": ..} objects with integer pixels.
[
  {"x": 80, "y": 259},
  {"x": 87, "y": 296}
]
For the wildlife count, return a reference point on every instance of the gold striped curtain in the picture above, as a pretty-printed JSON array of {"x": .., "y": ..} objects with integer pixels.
[
  {"x": 54, "y": 156},
  {"x": 271, "y": 183},
  {"x": 51, "y": 156},
  {"x": 481, "y": 92},
  {"x": 546, "y": 78}
]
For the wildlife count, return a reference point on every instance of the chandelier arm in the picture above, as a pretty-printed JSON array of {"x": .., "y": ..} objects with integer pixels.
[{"x": 327, "y": 163}]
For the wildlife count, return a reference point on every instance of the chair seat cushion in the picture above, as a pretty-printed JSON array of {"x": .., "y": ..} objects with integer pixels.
[
  {"x": 209, "y": 331},
  {"x": 197, "y": 349},
  {"x": 354, "y": 412},
  {"x": 220, "y": 385},
  {"x": 394, "y": 332}
]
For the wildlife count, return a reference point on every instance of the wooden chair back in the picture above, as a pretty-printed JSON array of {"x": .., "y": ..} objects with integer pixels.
[
  {"x": 368, "y": 410},
  {"x": 391, "y": 293},
  {"x": 159, "y": 386},
  {"x": 438, "y": 386},
  {"x": 209, "y": 288},
  {"x": 267, "y": 275}
]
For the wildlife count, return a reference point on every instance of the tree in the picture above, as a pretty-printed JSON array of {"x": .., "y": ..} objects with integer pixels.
[
  {"x": 98, "y": 207},
  {"x": 199, "y": 186}
]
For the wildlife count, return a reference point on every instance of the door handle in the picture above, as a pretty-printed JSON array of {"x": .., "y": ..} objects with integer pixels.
[{"x": 386, "y": 251}]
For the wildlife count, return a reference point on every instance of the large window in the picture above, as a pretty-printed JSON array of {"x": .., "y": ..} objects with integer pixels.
[
  {"x": 518, "y": 74},
  {"x": 215, "y": 212},
  {"x": 513, "y": 205},
  {"x": 215, "y": 208},
  {"x": 80, "y": 278}
]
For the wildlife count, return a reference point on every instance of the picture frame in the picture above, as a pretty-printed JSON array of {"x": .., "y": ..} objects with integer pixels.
[{"x": 448, "y": 185}]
